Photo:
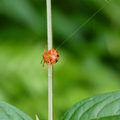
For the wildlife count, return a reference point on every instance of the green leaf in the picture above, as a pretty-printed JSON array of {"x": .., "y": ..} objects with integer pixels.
[
  {"x": 100, "y": 107},
  {"x": 9, "y": 112}
]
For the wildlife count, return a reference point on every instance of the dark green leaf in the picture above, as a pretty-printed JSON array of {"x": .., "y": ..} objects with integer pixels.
[
  {"x": 9, "y": 112},
  {"x": 100, "y": 107}
]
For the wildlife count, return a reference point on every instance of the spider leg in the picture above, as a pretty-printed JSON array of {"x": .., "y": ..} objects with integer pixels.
[{"x": 41, "y": 61}]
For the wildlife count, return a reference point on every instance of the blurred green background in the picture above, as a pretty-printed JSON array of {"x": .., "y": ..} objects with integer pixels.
[{"x": 89, "y": 61}]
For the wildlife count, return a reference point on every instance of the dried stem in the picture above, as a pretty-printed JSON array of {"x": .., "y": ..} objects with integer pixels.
[{"x": 50, "y": 69}]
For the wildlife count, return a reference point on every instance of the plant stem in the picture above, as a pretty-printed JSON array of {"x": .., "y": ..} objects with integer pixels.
[{"x": 50, "y": 69}]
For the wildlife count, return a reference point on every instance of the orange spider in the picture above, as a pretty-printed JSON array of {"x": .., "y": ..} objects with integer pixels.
[{"x": 50, "y": 56}]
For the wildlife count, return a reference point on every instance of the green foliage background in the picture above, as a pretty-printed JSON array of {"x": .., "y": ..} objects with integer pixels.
[{"x": 89, "y": 61}]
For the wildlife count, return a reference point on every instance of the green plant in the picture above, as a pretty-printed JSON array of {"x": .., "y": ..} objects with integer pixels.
[
  {"x": 85, "y": 53},
  {"x": 100, "y": 107},
  {"x": 9, "y": 112}
]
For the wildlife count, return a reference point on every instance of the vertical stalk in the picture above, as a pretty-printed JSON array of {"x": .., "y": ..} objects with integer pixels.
[{"x": 50, "y": 69}]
